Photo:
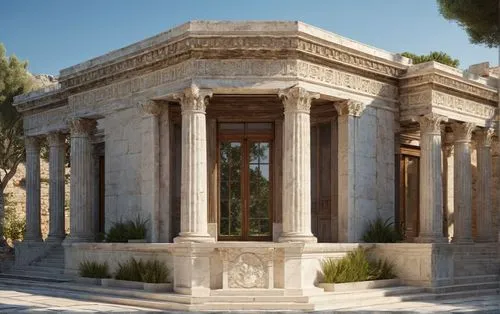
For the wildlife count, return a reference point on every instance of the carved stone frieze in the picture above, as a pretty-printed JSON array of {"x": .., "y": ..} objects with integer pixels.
[
  {"x": 193, "y": 99},
  {"x": 431, "y": 123},
  {"x": 148, "y": 107},
  {"x": 462, "y": 105},
  {"x": 297, "y": 99},
  {"x": 350, "y": 107}
]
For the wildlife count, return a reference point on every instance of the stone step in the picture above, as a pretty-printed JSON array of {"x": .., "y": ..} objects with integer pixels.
[
  {"x": 37, "y": 273},
  {"x": 465, "y": 287},
  {"x": 475, "y": 279},
  {"x": 7, "y": 277},
  {"x": 367, "y": 294},
  {"x": 48, "y": 264},
  {"x": 52, "y": 270}
]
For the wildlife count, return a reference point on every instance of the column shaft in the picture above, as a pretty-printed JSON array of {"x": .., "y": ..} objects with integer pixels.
[
  {"x": 431, "y": 183},
  {"x": 194, "y": 188},
  {"x": 485, "y": 231},
  {"x": 297, "y": 166},
  {"x": 81, "y": 193},
  {"x": 462, "y": 133},
  {"x": 33, "y": 216},
  {"x": 56, "y": 187},
  {"x": 448, "y": 163}
]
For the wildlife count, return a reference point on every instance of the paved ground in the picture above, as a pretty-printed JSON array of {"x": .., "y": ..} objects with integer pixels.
[{"x": 25, "y": 299}]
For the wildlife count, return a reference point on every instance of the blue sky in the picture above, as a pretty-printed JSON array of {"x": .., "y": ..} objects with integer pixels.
[{"x": 55, "y": 34}]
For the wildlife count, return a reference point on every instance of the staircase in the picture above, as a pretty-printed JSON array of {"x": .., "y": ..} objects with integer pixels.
[{"x": 49, "y": 268}]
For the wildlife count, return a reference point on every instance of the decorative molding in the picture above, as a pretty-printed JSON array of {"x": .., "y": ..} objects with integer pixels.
[
  {"x": 462, "y": 105},
  {"x": 82, "y": 127},
  {"x": 56, "y": 139},
  {"x": 192, "y": 99},
  {"x": 350, "y": 107},
  {"x": 297, "y": 99},
  {"x": 484, "y": 137},
  {"x": 431, "y": 123},
  {"x": 462, "y": 131},
  {"x": 148, "y": 107}
]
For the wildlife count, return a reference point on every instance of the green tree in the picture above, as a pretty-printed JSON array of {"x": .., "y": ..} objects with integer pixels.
[
  {"x": 14, "y": 80},
  {"x": 479, "y": 18},
  {"x": 440, "y": 57}
]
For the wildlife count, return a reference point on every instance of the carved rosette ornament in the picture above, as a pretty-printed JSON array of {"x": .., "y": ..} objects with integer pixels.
[
  {"x": 431, "y": 123},
  {"x": 462, "y": 132},
  {"x": 193, "y": 99},
  {"x": 82, "y": 127},
  {"x": 350, "y": 107},
  {"x": 297, "y": 99},
  {"x": 148, "y": 107}
]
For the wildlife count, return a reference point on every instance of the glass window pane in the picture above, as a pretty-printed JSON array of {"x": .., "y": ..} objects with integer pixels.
[
  {"x": 232, "y": 126},
  {"x": 259, "y": 126},
  {"x": 259, "y": 152},
  {"x": 230, "y": 188}
]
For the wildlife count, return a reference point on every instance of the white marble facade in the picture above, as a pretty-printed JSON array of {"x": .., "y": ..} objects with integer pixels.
[{"x": 139, "y": 101}]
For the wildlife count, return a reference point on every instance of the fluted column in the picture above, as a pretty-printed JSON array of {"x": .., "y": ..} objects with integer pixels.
[
  {"x": 297, "y": 166},
  {"x": 81, "y": 193},
  {"x": 350, "y": 225},
  {"x": 150, "y": 187},
  {"x": 431, "y": 183},
  {"x": 56, "y": 187},
  {"x": 33, "y": 216},
  {"x": 448, "y": 157},
  {"x": 485, "y": 231},
  {"x": 194, "y": 188},
  {"x": 462, "y": 133}
]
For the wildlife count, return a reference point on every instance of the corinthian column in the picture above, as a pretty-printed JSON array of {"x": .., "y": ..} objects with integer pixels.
[
  {"x": 151, "y": 164},
  {"x": 431, "y": 183},
  {"x": 56, "y": 187},
  {"x": 485, "y": 231},
  {"x": 194, "y": 188},
  {"x": 350, "y": 225},
  {"x": 448, "y": 156},
  {"x": 33, "y": 229},
  {"x": 297, "y": 166},
  {"x": 462, "y": 133},
  {"x": 81, "y": 224}
]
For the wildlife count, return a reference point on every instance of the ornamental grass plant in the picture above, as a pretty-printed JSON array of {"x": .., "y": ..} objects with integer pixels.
[
  {"x": 354, "y": 267},
  {"x": 130, "y": 270},
  {"x": 154, "y": 271},
  {"x": 128, "y": 230},
  {"x": 91, "y": 269},
  {"x": 380, "y": 231}
]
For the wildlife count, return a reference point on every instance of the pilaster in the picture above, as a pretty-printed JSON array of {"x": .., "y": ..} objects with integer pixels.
[
  {"x": 485, "y": 230},
  {"x": 56, "y": 187},
  {"x": 297, "y": 165},
  {"x": 194, "y": 188},
  {"x": 349, "y": 223},
  {"x": 431, "y": 183},
  {"x": 462, "y": 133},
  {"x": 81, "y": 193},
  {"x": 150, "y": 163},
  {"x": 33, "y": 215}
]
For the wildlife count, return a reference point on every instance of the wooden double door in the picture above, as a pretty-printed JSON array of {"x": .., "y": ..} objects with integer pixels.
[{"x": 245, "y": 181}]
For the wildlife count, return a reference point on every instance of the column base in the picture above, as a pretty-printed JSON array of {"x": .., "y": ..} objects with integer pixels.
[
  {"x": 55, "y": 238},
  {"x": 430, "y": 239},
  {"x": 456, "y": 240},
  {"x": 32, "y": 238},
  {"x": 193, "y": 237},
  {"x": 297, "y": 237},
  {"x": 76, "y": 239}
]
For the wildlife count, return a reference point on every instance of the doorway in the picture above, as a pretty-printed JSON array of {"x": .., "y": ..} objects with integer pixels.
[{"x": 245, "y": 181}]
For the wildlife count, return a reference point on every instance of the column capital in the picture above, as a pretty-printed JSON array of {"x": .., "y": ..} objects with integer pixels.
[
  {"x": 297, "y": 99},
  {"x": 462, "y": 132},
  {"x": 55, "y": 139},
  {"x": 484, "y": 137},
  {"x": 431, "y": 122},
  {"x": 350, "y": 107},
  {"x": 193, "y": 99},
  {"x": 32, "y": 143},
  {"x": 82, "y": 127},
  {"x": 149, "y": 107}
]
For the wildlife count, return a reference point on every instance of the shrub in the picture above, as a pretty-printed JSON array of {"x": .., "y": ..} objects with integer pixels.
[
  {"x": 380, "y": 231},
  {"x": 130, "y": 271},
  {"x": 154, "y": 271},
  {"x": 354, "y": 267},
  {"x": 129, "y": 230},
  {"x": 13, "y": 225},
  {"x": 93, "y": 269}
]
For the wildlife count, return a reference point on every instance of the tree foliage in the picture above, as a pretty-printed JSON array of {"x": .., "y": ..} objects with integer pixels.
[
  {"x": 437, "y": 56},
  {"x": 14, "y": 80},
  {"x": 479, "y": 18}
]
